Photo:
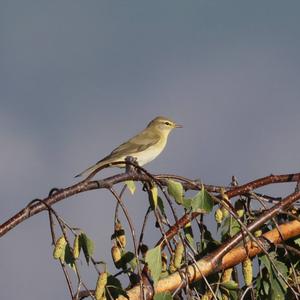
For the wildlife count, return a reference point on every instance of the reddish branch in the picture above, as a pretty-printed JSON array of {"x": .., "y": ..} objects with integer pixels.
[
  {"x": 233, "y": 192},
  {"x": 87, "y": 185},
  {"x": 225, "y": 256}
]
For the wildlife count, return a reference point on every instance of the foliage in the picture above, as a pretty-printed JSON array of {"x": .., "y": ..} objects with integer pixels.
[{"x": 255, "y": 232}]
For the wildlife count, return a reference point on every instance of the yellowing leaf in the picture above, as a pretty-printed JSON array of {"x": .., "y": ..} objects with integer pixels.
[
  {"x": 154, "y": 193},
  {"x": 116, "y": 255},
  {"x": 131, "y": 186},
  {"x": 76, "y": 247},
  {"x": 60, "y": 246},
  {"x": 179, "y": 250},
  {"x": 100, "y": 286},
  {"x": 247, "y": 271}
]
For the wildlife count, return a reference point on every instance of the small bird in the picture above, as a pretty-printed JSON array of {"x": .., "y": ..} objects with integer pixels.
[{"x": 144, "y": 147}]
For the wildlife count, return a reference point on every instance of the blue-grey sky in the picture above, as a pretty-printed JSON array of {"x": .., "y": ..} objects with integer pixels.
[{"x": 79, "y": 77}]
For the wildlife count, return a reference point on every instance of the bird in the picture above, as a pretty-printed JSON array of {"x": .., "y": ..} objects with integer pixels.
[{"x": 143, "y": 147}]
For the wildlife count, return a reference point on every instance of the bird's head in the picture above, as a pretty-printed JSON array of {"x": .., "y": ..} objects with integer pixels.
[{"x": 163, "y": 125}]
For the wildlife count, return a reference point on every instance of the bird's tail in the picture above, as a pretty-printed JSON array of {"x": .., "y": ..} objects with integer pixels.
[{"x": 89, "y": 170}]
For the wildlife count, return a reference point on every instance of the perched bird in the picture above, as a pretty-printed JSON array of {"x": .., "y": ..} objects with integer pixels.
[{"x": 144, "y": 147}]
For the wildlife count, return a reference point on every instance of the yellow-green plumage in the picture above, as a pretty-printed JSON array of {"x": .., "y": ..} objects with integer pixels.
[{"x": 144, "y": 147}]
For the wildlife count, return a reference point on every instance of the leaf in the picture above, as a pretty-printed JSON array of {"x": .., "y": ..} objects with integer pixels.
[
  {"x": 277, "y": 289},
  {"x": 100, "y": 286},
  {"x": 281, "y": 267},
  {"x": 188, "y": 232},
  {"x": 230, "y": 285},
  {"x": 163, "y": 296},
  {"x": 297, "y": 241},
  {"x": 87, "y": 245},
  {"x": 59, "y": 248},
  {"x": 276, "y": 284},
  {"x": 230, "y": 227},
  {"x": 154, "y": 192},
  {"x": 234, "y": 227},
  {"x": 76, "y": 247},
  {"x": 233, "y": 295},
  {"x": 69, "y": 258},
  {"x": 115, "y": 288},
  {"x": 116, "y": 256},
  {"x": 153, "y": 197},
  {"x": 280, "y": 286},
  {"x": 131, "y": 186},
  {"x": 266, "y": 287},
  {"x": 160, "y": 204},
  {"x": 153, "y": 259},
  {"x": 187, "y": 203},
  {"x": 179, "y": 251},
  {"x": 175, "y": 189},
  {"x": 202, "y": 202},
  {"x": 266, "y": 262},
  {"x": 128, "y": 258}
]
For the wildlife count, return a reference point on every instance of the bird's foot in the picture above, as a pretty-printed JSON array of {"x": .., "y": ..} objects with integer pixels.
[{"x": 131, "y": 166}]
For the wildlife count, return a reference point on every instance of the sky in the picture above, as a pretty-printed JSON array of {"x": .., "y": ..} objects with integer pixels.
[{"x": 77, "y": 78}]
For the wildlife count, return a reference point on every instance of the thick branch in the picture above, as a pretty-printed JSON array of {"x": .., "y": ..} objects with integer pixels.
[{"x": 205, "y": 267}]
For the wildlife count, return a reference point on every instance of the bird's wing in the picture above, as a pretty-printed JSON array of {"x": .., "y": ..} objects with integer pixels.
[{"x": 136, "y": 144}]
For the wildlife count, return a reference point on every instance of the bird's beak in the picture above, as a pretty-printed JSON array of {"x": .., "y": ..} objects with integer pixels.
[{"x": 178, "y": 126}]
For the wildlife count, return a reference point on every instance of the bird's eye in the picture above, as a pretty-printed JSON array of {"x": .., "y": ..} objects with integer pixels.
[{"x": 168, "y": 123}]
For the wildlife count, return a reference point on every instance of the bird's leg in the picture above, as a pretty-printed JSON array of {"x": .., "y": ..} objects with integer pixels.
[{"x": 130, "y": 168}]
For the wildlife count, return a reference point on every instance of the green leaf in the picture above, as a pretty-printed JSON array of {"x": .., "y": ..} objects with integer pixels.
[
  {"x": 278, "y": 291},
  {"x": 128, "y": 258},
  {"x": 69, "y": 258},
  {"x": 233, "y": 295},
  {"x": 276, "y": 284},
  {"x": 187, "y": 203},
  {"x": 133, "y": 263},
  {"x": 115, "y": 288},
  {"x": 230, "y": 227},
  {"x": 266, "y": 262},
  {"x": 175, "y": 189},
  {"x": 153, "y": 260},
  {"x": 230, "y": 285},
  {"x": 131, "y": 186},
  {"x": 281, "y": 267},
  {"x": 202, "y": 202},
  {"x": 266, "y": 287},
  {"x": 163, "y": 296},
  {"x": 87, "y": 245},
  {"x": 188, "y": 232},
  {"x": 297, "y": 241},
  {"x": 161, "y": 206},
  {"x": 279, "y": 286},
  {"x": 234, "y": 227}
]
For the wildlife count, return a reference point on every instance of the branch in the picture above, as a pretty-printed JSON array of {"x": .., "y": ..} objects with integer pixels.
[
  {"x": 205, "y": 266},
  {"x": 188, "y": 184},
  {"x": 233, "y": 192}
]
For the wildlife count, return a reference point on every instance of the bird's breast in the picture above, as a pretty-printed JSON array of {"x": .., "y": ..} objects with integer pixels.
[{"x": 151, "y": 153}]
